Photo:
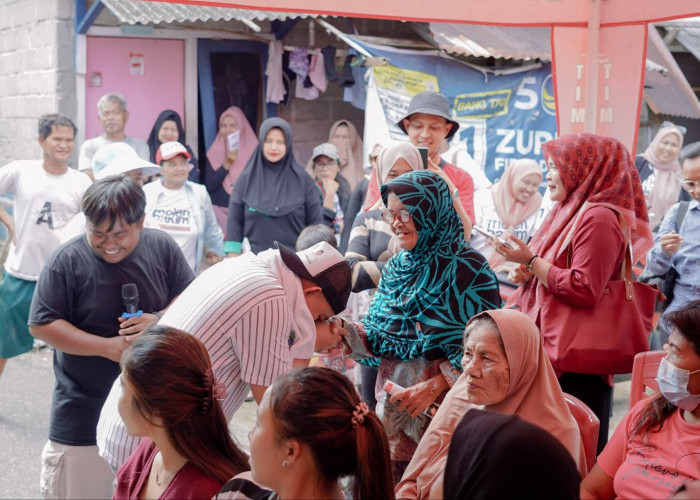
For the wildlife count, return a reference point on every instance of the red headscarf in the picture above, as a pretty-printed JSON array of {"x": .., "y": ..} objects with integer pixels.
[
  {"x": 218, "y": 149},
  {"x": 595, "y": 170}
]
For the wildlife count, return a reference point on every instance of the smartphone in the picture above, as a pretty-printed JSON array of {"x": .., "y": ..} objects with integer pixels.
[
  {"x": 491, "y": 236},
  {"x": 424, "y": 156},
  {"x": 233, "y": 140}
]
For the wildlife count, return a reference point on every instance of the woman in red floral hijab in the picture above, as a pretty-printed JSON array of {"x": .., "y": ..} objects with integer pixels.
[{"x": 580, "y": 246}]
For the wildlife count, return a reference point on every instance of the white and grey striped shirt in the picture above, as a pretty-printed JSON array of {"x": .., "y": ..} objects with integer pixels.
[{"x": 240, "y": 312}]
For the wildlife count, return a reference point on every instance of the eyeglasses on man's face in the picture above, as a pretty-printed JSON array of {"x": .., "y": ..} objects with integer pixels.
[{"x": 690, "y": 185}]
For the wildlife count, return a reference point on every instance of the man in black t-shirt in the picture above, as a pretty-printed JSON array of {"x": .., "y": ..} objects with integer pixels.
[{"x": 77, "y": 307}]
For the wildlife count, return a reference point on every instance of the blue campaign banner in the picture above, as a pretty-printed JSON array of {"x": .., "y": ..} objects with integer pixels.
[{"x": 502, "y": 117}]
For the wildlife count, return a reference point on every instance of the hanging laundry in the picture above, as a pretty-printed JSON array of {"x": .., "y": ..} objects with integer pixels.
[
  {"x": 317, "y": 71},
  {"x": 299, "y": 62},
  {"x": 329, "y": 63},
  {"x": 346, "y": 78},
  {"x": 275, "y": 90}
]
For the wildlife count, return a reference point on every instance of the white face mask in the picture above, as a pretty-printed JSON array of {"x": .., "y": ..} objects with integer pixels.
[{"x": 673, "y": 383}]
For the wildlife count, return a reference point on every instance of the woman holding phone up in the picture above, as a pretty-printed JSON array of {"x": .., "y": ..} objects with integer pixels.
[{"x": 225, "y": 162}]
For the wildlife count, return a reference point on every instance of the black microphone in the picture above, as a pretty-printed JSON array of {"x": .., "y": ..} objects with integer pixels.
[{"x": 130, "y": 298}]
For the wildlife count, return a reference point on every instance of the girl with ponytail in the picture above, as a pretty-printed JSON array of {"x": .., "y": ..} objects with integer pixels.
[
  {"x": 171, "y": 398},
  {"x": 312, "y": 429}
]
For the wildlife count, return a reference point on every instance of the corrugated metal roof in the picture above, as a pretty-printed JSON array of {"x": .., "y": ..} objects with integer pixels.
[
  {"x": 501, "y": 42},
  {"x": 668, "y": 93},
  {"x": 134, "y": 11},
  {"x": 690, "y": 39}
]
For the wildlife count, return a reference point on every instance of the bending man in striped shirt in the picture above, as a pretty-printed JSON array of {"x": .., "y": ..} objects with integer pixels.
[{"x": 257, "y": 315}]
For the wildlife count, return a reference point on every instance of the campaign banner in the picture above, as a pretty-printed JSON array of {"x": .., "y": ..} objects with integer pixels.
[{"x": 502, "y": 117}]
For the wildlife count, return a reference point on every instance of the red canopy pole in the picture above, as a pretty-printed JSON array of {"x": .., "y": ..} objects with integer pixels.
[{"x": 592, "y": 62}]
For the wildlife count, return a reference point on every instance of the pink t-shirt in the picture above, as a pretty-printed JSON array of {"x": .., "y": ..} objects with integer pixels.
[{"x": 655, "y": 465}]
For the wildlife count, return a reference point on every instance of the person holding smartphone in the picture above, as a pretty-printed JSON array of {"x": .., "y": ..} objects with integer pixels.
[{"x": 225, "y": 162}]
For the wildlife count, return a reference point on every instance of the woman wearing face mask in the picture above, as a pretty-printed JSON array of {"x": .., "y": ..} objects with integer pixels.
[
  {"x": 274, "y": 199},
  {"x": 660, "y": 170},
  {"x": 655, "y": 448},
  {"x": 511, "y": 206}
]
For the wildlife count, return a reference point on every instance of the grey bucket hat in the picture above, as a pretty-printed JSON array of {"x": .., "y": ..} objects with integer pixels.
[{"x": 430, "y": 103}]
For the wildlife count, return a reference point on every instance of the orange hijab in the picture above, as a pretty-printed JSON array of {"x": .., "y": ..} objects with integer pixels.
[{"x": 219, "y": 148}]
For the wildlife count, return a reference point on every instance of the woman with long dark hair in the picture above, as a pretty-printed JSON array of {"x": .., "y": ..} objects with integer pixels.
[
  {"x": 312, "y": 429},
  {"x": 655, "y": 449},
  {"x": 171, "y": 398}
]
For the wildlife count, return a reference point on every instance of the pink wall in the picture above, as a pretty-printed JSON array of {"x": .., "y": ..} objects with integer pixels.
[{"x": 160, "y": 87}]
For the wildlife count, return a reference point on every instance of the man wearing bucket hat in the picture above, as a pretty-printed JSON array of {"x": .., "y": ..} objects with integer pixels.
[
  {"x": 256, "y": 315},
  {"x": 429, "y": 124},
  {"x": 118, "y": 158}
]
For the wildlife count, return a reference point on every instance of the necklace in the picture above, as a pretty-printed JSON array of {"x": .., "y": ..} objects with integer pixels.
[{"x": 167, "y": 475}]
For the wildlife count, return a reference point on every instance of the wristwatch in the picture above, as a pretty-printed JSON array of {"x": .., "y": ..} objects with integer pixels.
[
  {"x": 455, "y": 194},
  {"x": 528, "y": 266}
]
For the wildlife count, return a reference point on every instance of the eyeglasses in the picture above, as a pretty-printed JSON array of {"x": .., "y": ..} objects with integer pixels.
[
  {"x": 389, "y": 216},
  {"x": 689, "y": 185},
  {"x": 319, "y": 164}
]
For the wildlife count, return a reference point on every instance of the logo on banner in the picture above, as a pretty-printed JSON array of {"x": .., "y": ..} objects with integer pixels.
[
  {"x": 547, "y": 96},
  {"x": 482, "y": 104}
]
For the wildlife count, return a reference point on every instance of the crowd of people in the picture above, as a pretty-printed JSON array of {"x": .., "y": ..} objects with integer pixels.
[{"x": 221, "y": 280}]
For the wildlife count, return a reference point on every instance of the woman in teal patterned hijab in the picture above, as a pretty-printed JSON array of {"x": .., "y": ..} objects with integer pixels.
[{"x": 426, "y": 295}]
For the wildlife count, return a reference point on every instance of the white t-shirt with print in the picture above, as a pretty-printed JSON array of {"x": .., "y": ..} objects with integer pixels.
[
  {"x": 172, "y": 213},
  {"x": 487, "y": 218},
  {"x": 44, "y": 204}
]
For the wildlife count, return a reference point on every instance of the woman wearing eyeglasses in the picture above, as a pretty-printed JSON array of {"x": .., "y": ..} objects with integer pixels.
[
  {"x": 654, "y": 450},
  {"x": 427, "y": 293}
]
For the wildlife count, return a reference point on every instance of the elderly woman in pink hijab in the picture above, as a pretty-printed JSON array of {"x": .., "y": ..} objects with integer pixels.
[
  {"x": 224, "y": 162},
  {"x": 511, "y": 206},
  {"x": 506, "y": 370},
  {"x": 660, "y": 171}
]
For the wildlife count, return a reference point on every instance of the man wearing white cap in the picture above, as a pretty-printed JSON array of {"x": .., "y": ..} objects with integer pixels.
[
  {"x": 255, "y": 314},
  {"x": 47, "y": 196},
  {"x": 183, "y": 208}
]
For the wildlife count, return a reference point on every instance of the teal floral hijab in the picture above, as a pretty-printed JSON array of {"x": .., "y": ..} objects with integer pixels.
[{"x": 427, "y": 295}]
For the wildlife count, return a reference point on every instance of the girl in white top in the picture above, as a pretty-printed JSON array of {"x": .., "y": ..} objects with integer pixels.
[
  {"x": 509, "y": 207},
  {"x": 182, "y": 208}
]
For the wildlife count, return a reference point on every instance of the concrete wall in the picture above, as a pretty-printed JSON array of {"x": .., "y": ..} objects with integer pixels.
[{"x": 36, "y": 71}]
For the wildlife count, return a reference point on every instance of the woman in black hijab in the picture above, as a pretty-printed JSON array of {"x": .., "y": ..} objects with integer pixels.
[
  {"x": 274, "y": 198},
  {"x": 168, "y": 128},
  {"x": 494, "y": 456}
]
